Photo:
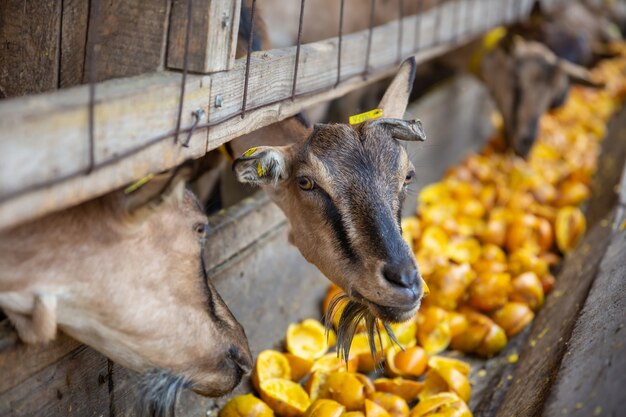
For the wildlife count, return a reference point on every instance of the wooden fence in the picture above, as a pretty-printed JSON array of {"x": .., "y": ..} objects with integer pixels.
[{"x": 61, "y": 148}]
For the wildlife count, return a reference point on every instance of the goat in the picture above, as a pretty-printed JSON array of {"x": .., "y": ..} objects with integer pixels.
[
  {"x": 125, "y": 275},
  {"x": 342, "y": 188}
]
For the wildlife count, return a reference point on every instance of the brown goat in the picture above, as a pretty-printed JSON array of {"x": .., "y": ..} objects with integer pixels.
[
  {"x": 124, "y": 274},
  {"x": 342, "y": 188}
]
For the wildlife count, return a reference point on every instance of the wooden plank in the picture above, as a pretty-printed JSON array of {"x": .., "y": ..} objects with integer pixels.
[
  {"x": 613, "y": 157},
  {"x": 45, "y": 137},
  {"x": 212, "y": 38},
  {"x": 29, "y": 46},
  {"x": 76, "y": 385},
  {"x": 592, "y": 376},
  {"x": 131, "y": 36},
  {"x": 73, "y": 41},
  {"x": 31, "y": 358},
  {"x": 236, "y": 228},
  {"x": 552, "y": 327},
  {"x": 123, "y": 394},
  {"x": 31, "y": 152}
]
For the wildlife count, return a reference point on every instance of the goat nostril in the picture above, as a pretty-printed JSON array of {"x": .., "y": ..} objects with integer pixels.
[
  {"x": 242, "y": 361},
  {"x": 401, "y": 276}
]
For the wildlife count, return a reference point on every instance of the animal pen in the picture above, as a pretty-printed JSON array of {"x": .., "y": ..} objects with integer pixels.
[{"x": 103, "y": 94}]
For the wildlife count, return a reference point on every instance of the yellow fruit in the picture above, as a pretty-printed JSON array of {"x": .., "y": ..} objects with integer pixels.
[
  {"x": 403, "y": 388},
  {"x": 360, "y": 348},
  {"x": 444, "y": 404},
  {"x": 527, "y": 288},
  {"x": 410, "y": 362},
  {"x": 435, "y": 239},
  {"x": 406, "y": 332},
  {"x": 333, "y": 363},
  {"x": 527, "y": 260},
  {"x": 433, "y": 329},
  {"x": 482, "y": 335},
  {"x": 343, "y": 387},
  {"x": 325, "y": 408},
  {"x": 463, "y": 250},
  {"x": 246, "y": 406},
  {"x": 307, "y": 339},
  {"x": 374, "y": 410},
  {"x": 285, "y": 397},
  {"x": 448, "y": 285},
  {"x": 395, "y": 405},
  {"x": 458, "y": 323},
  {"x": 495, "y": 231},
  {"x": 270, "y": 364},
  {"x": 572, "y": 193},
  {"x": 569, "y": 228},
  {"x": 299, "y": 366},
  {"x": 454, "y": 373},
  {"x": 513, "y": 317},
  {"x": 490, "y": 291},
  {"x": 491, "y": 252}
]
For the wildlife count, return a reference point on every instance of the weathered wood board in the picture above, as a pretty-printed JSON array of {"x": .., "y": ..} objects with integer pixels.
[
  {"x": 592, "y": 378},
  {"x": 75, "y": 20},
  {"x": 29, "y": 46},
  {"x": 128, "y": 36},
  {"x": 212, "y": 38}
]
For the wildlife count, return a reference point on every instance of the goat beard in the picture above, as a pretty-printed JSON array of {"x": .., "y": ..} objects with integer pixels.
[
  {"x": 352, "y": 315},
  {"x": 158, "y": 393}
]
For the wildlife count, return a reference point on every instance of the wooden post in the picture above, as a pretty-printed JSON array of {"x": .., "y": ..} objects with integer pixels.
[{"x": 212, "y": 38}]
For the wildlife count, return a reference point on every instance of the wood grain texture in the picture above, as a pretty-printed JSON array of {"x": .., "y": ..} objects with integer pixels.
[
  {"x": 29, "y": 46},
  {"x": 31, "y": 151},
  {"x": 240, "y": 226},
  {"x": 31, "y": 358},
  {"x": 131, "y": 37},
  {"x": 592, "y": 377},
  {"x": 73, "y": 41},
  {"x": 76, "y": 385},
  {"x": 613, "y": 158},
  {"x": 213, "y": 35}
]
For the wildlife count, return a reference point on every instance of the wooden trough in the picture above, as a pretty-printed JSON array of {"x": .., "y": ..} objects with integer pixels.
[{"x": 571, "y": 359}]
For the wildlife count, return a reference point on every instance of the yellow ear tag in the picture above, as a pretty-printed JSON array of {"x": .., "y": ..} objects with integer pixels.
[
  {"x": 489, "y": 42},
  {"x": 364, "y": 117},
  {"x": 138, "y": 184},
  {"x": 259, "y": 169},
  {"x": 249, "y": 152}
]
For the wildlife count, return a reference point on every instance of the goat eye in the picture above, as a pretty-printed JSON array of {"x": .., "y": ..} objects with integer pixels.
[
  {"x": 409, "y": 178},
  {"x": 200, "y": 229},
  {"x": 306, "y": 183}
]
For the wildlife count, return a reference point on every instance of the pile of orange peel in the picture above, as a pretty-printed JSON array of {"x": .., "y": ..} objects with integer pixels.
[{"x": 486, "y": 237}]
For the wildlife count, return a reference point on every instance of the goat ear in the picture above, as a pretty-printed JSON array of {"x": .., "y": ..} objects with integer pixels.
[
  {"x": 156, "y": 189},
  {"x": 396, "y": 98},
  {"x": 579, "y": 75},
  {"x": 264, "y": 165},
  {"x": 407, "y": 130}
]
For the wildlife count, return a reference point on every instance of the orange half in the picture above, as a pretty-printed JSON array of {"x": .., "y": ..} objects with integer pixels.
[
  {"x": 285, "y": 397},
  {"x": 307, "y": 339}
]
